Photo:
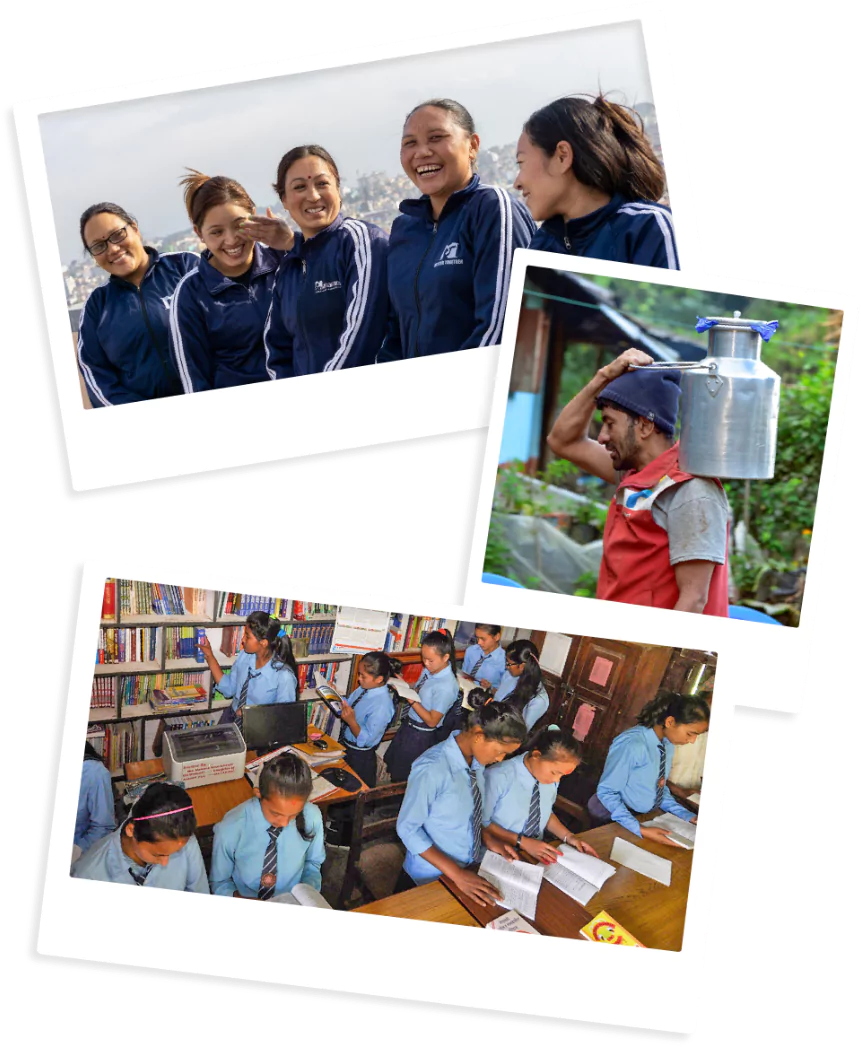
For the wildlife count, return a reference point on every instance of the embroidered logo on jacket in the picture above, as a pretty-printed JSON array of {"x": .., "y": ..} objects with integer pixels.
[
  {"x": 326, "y": 285},
  {"x": 449, "y": 255}
]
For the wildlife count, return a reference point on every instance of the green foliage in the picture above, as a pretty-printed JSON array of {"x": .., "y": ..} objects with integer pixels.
[
  {"x": 497, "y": 558},
  {"x": 586, "y": 584}
]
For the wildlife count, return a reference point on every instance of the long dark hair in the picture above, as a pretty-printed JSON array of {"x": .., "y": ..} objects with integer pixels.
[
  {"x": 379, "y": 663},
  {"x": 91, "y": 753},
  {"x": 290, "y": 777},
  {"x": 169, "y": 800},
  {"x": 611, "y": 150},
  {"x": 499, "y": 721},
  {"x": 264, "y": 627},
  {"x": 442, "y": 642},
  {"x": 554, "y": 743},
  {"x": 299, "y": 152},
  {"x": 525, "y": 653},
  {"x": 684, "y": 708},
  {"x": 103, "y": 208}
]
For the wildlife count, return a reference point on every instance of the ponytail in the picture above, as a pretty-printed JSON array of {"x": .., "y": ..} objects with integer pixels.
[
  {"x": 525, "y": 653},
  {"x": 478, "y": 696},
  {"x": 162, "y": 812},
  {"x": 684, "y": 708},
  {"x": 611, "y": 150},
  {"x": 202, "y": 193},
  {"x": 289, "y": 777},
  {"x": 264, "y": 627},
  {"x": 499, "y": 721},
  {"x": 442, "y": 642},
  {"x": 379, "y": 663}
]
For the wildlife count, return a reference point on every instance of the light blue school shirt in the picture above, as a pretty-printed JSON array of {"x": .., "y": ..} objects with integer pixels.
[
  {"x": 484, "y": 666},
  {"x": 438, "y": 693},
  {"x": 240, "y": 843},
  {"x": 506, "y": 685},
  {"x": 535, "y": 708},
  {"x": 508, "y": 793},
  {"x": 269, "y": 688},
  {"x": 437, "y": 809},
  {"x": 95, "y": 818},
  {"x": 107, "y": 861},
  {"x": 373, "y": 714},
  {"x": 630, "y": 777}
]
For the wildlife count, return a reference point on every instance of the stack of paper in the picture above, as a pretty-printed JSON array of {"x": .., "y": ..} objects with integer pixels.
[
  {"x": 642, "y": 861},
  {"x": 679, "y": 831},
  {"x": 578, "y": 875}
]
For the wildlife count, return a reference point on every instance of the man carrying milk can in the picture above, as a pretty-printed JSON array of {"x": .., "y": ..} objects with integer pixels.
[{"x": 666, "y": 540}]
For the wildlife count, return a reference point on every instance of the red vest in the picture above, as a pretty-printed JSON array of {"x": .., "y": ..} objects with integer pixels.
[{"x": 636, "y": 565}]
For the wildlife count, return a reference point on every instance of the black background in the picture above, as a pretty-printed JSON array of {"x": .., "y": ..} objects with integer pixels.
[{"x": 402, "y": 521}]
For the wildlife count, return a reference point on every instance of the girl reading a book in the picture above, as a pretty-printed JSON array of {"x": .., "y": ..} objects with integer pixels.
[
  {"x": 430, "y": 718},
  {"x": 441, "y": 817},
  {"x": 270, "y": 843},
  {"x": 123, "y": 346},
  {"x": 522, "y": 683},
  {"x": 367, "y": 712},
  {"x": 520, "y": 794},
  {"x": 264, "y": 672},
  {"x": 634, "y": 780},
  {"x": 95, "y": 818},
  {"x": 218, "y": 312},
  {"x": 154, "y": 847},
  {"x": 484, "y": 661}
]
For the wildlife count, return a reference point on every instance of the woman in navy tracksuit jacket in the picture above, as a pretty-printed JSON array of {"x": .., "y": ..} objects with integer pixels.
[
  {"x": 451, "y": 250},
  {"x": 329, "y": 307},
  {"x": 589, "y": 173},
  {"x": 219, "y": 310},
  {"x": 123, "y": 346}
]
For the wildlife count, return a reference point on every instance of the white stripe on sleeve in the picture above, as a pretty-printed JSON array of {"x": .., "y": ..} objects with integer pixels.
[
  {"x": 503, "y": 271},
  {"x": 89, "y": 377},
  {"x": 356, "y": 309},
  {"x": 665, "y": 225},
  {"x": 176, "y": 336}
]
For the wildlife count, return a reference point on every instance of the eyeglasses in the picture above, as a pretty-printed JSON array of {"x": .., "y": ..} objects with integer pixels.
[
  {"x": 116, "y": 237},
  {"x": 511, "y": 665}
]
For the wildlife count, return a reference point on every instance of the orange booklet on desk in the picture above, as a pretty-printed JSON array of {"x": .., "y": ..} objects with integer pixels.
[{"x": 605, "y": 929}]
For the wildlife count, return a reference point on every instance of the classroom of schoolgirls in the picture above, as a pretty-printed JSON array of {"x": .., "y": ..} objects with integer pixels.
[{"x": 480, "y": 774}]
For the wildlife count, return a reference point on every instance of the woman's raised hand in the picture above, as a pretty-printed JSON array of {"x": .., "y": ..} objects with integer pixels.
[{"x": 269, "y": 230}]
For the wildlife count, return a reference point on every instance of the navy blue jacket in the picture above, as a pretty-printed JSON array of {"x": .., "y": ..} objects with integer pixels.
[
  {"x": 636, "y": 231},
  {"x": 123, "y": 344},
  {"x": 448, "y": 279},
  {"x": 216, "y": 323},
  {"x": 329, "y": 308}
]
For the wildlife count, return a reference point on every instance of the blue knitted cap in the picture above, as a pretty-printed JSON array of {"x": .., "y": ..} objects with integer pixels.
[{"x": 651, "y": 393}]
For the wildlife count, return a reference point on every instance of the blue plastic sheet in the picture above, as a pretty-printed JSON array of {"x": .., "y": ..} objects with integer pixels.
[
  {"x": 704, "y": 323},
  {"x": 765, "y": 331}
]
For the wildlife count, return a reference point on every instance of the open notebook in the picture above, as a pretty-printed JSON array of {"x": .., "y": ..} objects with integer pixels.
[
  {"x": 578, "y": 875},
  {"x": 519, "y": 882},
  {"x": 302, "y": 894},
  {"x": 680, "y": 831}
]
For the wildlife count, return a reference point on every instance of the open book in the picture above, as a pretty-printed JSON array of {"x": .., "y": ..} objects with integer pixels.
[
  {"x": 302, "y": 894},
  {"x": 519, "y": 882},
  {"x": 680, "y": 831},
  {"x": 578, "y": 875}
]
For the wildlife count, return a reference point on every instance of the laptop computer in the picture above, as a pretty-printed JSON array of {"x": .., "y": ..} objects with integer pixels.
[{"x": 268, "y": 727}]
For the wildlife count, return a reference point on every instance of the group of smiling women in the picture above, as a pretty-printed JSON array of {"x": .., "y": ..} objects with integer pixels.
[{"x": 262, "y": 302}]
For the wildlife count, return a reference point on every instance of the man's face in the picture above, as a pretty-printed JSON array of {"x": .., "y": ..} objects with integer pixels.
[{"x": 619, "y": 436}]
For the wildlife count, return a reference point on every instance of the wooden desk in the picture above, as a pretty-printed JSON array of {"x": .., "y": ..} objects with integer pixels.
[
  {"x": 430, "y": 902},
  {"x": 212, "y": 802},
  {"x": 651, "y": 912}
]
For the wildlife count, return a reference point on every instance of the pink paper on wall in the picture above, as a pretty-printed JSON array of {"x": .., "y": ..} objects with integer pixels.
[
  {"x": 601, "y": 669},
  {"x": 583, "y": 721}
]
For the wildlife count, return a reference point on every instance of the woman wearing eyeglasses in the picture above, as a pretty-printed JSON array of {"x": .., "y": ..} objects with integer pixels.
[{"x": 123, "y": 344}]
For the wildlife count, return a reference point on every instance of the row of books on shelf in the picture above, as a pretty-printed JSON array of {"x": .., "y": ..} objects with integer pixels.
[
  {"x": 127, "y": 644},
  {"x": 316, "y": 638},
  {"x": 304, "y": 610},
  {"x": 117, "y": 744},
  {"x": 180, "y": 641},
  {"x": 407, "y": 631},
  {"x": 311, "y": 675},
  {"x": 137, "y": 690},
  {"x": 244, "y": 604},
  {"x": 139, "y": 598},
  {"x": 103, "y": 696}
]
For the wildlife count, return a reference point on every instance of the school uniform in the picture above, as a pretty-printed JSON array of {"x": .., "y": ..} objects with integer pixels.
[
  {"x": 509, "y": 788},
  {"x": 636, "y": 231},
  {"x": 439, "y": 808},
  {"x": 240, "y": 843},
  {"x": 374, "y": 710},
  {"x": 123, "y": 343},
  {"x": 534, "y": 709},
  {"x": 267, "y": 686},
  {"x": 630, "y": 778},
  {"x": 448, "y": 276},
  {"x": 439, "y": 692},
  {"x": 506, "y": 686},
  {"x": 483, "y": 666},
  {"x": 107, "y": 861},
  {"x": 329, "y": 307},
  {"x": 95, "y": 817},
  {"x": 216, "y": 323}
]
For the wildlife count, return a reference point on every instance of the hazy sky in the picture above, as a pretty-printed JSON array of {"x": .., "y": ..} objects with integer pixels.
[{"x": 133, "y": 153}]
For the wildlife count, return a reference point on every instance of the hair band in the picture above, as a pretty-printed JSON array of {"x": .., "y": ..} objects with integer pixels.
[{"x": 163, "y": 814}]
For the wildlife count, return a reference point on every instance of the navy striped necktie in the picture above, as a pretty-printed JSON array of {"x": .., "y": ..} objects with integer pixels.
[
  {"x": 243, "y": 694},
  {"x": 659, "y": 788},
  {"x": 532, "y": 827},
  {"x": 478, "y": 665},
  {"x": 270, "y": 864},
  {"x": 139, "y": 875},
  {"x": 476, "y": 814}
]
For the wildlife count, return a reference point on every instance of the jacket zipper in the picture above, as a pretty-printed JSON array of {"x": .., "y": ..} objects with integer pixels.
[
  {"x": 416, "y": 287},
  {"x": 171, "y": 381},
  {"x": 299, "y": 309},
  {"x": 567, "y": 244}
]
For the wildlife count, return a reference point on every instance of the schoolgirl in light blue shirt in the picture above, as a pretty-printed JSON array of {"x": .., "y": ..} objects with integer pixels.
[
  {"x": 95, "y": 818},
  {"x": 484, "y": 661},
  {"x": 273, "y": 841},
  {"x": 634, "y": 779},
  {"x": 441, "y": 817},
  {"x": 154, "y": 847},
  {"x": 367, "y": 712},
  {"x": 522, "y": 683},
  {"x": 520, "y": 794},
  {"x": 265, "y": 664}
]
